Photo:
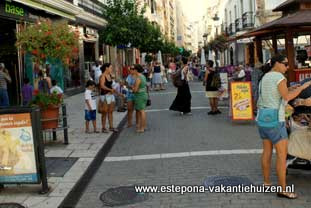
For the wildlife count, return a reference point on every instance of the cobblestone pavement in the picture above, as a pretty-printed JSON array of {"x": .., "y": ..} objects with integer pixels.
[{"x": 185, "y": 150}]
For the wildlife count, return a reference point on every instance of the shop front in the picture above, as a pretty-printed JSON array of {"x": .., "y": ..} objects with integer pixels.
[
  {"x": 13, "y": 16},
  {"x": 292, "y": 30}
]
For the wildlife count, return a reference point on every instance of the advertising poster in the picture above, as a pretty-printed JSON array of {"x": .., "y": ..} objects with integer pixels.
[
  {"x": 17, "y": 150},
  {"x": 241, "y": 101},
  {"x": 224, "y": 85}
]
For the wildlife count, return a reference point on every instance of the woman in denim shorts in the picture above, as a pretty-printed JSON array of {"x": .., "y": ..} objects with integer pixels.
[
  {"x": 275, "y": 94},
  {"x": 130, "y": 81}
]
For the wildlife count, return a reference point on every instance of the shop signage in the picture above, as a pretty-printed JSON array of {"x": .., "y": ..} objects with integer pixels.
[
  {"x": 10, "y": 9},
  {"x": 17, "y": 149},
  {"x": 15, "y": 10},
  {"x": 241, "y": 101}
]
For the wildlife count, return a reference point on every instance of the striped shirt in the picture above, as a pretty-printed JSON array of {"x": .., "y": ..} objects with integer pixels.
[
  {"x": 3, "y": 81},
  {"x": 270, "y": 96}
]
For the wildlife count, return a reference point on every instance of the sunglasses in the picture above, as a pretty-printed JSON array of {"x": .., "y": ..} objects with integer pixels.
[{"x": 285, "y": 63}]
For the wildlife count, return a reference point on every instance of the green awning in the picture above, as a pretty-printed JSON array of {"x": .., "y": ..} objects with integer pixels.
[{"x": 49, "y": 9}]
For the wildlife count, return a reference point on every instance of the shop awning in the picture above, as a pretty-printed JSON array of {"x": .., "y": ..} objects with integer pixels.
[{"x": 61, "y": 8}]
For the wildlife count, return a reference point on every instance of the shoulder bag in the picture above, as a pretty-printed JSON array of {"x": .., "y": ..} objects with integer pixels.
[{"x": 267, "y": 117}]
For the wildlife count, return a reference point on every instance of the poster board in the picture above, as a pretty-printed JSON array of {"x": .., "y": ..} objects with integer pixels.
[
  {"x": 241, "y": 101},
  {"x": 224, "y": 85},
  {"x": 18, "y": 149}
]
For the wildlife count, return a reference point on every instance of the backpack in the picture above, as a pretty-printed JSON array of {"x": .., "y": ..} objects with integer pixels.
[
  {"x": 176, "y": 78},
  {"x": 216, "y": 82},
  {"x": 43, "y": 86}
]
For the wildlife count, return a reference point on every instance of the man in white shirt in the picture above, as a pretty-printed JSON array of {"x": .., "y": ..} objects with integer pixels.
[{"x": 56, "y": 89}]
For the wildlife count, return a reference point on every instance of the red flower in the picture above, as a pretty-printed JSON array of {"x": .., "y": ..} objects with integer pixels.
[
  {"x": 35, "y": 92},
  {"x": 42, "y": 55},
  {"x": 48, "y": 33},
  {"x": 34, "y": 52}
]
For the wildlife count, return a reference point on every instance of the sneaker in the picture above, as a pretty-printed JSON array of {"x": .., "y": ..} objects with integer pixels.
[
  {"x": 181, "y": 113},
  {"x": 189, "y": 114}
]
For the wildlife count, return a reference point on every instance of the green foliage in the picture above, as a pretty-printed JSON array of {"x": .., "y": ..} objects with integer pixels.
[
  {"x": 148, "y": 58},
  {"x": 186, "y": 53},
  {"x": 49, "y": 39},
  {"x": 44, "y": 100},
  {"x": 127, "y": 24},
  {"x": 218, "y": 44}
]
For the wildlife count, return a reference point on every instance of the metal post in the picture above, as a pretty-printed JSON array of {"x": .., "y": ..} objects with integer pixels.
[
  {"x": 54, "y": 135},
  {"x": 41, "y": 157},
  {"x": 65, "y": 125}
]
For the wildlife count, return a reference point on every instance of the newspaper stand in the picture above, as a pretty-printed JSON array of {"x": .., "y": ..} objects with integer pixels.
[{"x": 21, "y": 126}]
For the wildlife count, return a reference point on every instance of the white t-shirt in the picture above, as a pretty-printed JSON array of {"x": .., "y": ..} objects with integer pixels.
[
  {"x": 97, "y": 72},
  {"x": 90, "y": 96},
  {"x": 56, "y": 89},
  {"x": 241, "y": 74}
]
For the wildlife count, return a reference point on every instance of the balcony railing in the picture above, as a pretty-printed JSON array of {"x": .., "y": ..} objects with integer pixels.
[
  {"x": 238, "y": 24},
  {"x": 231, "y": 29},
  {"x": 248, "y": 20}
]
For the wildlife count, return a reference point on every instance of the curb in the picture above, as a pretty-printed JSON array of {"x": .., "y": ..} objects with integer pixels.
[{"x": 73, "y": 197}]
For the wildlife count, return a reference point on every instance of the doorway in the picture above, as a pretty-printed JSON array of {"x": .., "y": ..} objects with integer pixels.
[{"x": 8, "y": 56}]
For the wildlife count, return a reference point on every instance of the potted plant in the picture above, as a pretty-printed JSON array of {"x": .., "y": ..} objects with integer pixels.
[
  {"x": 49, "y": 105},
  {"x": 54, "y": 41}
]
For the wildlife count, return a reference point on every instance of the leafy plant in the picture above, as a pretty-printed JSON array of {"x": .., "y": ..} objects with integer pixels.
[
  {"x": 49, "y": 39},
  {"x": 44, "y": 100}
]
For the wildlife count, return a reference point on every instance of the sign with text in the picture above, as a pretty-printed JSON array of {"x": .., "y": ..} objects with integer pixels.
[
  {"x": 17, "y": 149},
  {"x": 241, "y": 101}
]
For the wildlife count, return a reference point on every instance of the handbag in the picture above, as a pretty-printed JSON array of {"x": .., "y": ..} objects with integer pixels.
[
  {"x": 267, "y": 117},
  {"x": 148, "y": 102}
]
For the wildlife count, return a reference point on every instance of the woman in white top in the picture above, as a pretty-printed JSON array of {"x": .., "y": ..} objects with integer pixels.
[{"x": 273, "y": 93}]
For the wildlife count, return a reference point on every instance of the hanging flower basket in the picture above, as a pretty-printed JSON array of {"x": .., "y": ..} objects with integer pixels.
[{"x": 47, "y": 39}]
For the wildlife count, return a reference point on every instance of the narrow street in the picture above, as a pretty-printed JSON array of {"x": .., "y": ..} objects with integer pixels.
[{"x": 186, "y": 150}]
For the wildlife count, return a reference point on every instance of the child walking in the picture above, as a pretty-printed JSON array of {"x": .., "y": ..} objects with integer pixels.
[{"x": 90, "y": 106}]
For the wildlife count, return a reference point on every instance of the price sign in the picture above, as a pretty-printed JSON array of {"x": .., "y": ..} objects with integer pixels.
[{"x": 241, "y": 101}]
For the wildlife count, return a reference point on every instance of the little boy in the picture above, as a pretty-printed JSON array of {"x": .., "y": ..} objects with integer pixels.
[
  {"x": 27, "y": 91},
  {"x": 56, "y": 89},
  {"x": 90, "y": 106}
]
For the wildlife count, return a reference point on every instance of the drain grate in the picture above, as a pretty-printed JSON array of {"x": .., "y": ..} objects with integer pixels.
[
  {"x": 11, "y": 205},
  {"x": 58, "y": 166},
  {"x": 226, "y": 181},
  {"x": 124, "y": 195}
]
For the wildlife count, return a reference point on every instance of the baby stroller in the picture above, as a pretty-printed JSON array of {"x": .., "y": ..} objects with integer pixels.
[{"x": 299, "y": 145}]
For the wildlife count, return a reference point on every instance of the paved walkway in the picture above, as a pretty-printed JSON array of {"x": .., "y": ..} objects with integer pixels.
[
  {"x": 83, "y": 147},
  {"x": 186, "y": 150}
]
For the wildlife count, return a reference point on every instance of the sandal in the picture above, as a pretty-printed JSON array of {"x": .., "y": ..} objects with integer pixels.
[
  {"x": 96, "y": 132},
  {"x": 288, "y": 195},
  {"x": 113, "y": 130},
  {"x": 140, "y": 131},
  {"x": 105, "y": 131}
]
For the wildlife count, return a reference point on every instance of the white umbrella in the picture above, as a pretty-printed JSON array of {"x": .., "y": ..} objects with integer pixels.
[
  {"x": 210, "y": 55},
  {"x": 160, "y": 57},
  {"x": 143, "y": 55},
  {"x": 203, "y": 61}
]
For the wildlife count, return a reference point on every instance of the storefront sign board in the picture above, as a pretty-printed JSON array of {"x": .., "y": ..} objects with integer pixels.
[
  {"x": 241, "y": 101},
  {"x": 17, "y": 149}
]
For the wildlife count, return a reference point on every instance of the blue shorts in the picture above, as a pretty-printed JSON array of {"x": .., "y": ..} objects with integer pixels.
[
  {"x": 90, "y": 115},
  {"x": 130, "y": 97},
  {"x": 274, "y": 134}
]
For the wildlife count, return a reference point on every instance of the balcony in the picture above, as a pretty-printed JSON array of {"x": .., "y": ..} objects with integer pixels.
[
  {"x": 238, "y": 24},
  {"x": 92, "y": 6},
  {"x": 248, "y": 20},
  {"x": 231, "y": 29}
]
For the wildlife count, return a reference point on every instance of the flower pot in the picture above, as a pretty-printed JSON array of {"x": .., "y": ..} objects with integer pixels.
[{"x": 49, "y": 117}]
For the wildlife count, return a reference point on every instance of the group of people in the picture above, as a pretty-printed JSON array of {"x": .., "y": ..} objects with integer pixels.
[{"x": 134, "y": 92}]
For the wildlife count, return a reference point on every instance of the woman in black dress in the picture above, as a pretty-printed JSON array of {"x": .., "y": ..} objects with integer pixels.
[{"x": 182, "y": 102}]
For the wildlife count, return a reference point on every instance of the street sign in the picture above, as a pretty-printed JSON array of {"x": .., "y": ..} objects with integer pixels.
[{"x": 241, "y": 101}]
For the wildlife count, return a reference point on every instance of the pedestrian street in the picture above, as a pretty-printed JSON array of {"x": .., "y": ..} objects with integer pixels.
[{"x": 189, "y": 150}]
